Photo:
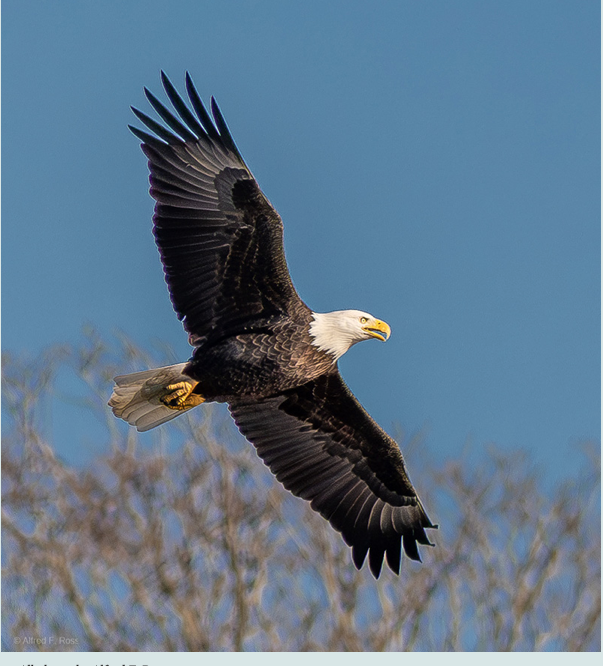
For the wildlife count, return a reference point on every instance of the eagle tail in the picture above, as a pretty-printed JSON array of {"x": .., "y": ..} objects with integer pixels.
[{"x": 152, "y": 397}]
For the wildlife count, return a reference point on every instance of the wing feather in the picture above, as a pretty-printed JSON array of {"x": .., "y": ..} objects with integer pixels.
[
  {"x": 199, "y": 108},
  {"x": 220, "y": 240},
  {"x": 322, "y": 446},
  {"x": 169, "y": 118}
]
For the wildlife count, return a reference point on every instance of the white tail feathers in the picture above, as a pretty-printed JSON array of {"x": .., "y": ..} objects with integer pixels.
[{"x": 137, "y": 397}]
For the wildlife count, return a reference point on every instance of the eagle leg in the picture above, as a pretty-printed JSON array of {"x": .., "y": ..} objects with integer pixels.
[{"x": 181, "y": 396}]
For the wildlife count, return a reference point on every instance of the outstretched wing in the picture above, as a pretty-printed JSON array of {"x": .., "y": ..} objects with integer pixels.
[
  {"x": 322, "y": 445},
  {"x": 221, "y": 242}
]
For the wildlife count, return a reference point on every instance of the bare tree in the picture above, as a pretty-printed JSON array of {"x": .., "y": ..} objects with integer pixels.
[{"x": 190, "y": 544}]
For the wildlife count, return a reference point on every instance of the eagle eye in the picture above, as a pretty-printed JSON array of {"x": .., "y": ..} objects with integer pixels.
[{"x": 363, "y": 320}]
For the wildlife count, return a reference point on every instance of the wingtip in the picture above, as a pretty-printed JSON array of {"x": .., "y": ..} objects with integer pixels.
[
  {"x": 376, "y": 566},
  {"x": 139, "y": 114},
  {"x": 190, "y": 86},
  {"x": 410, "y": 547},
  {"x": 146, "y": 139},
  {"x": 376, "y": 561},
  {"x": 149, "y": 95},
  {"x": 359, "y": 552},
  {"x": 166, "y": 82},
  {"x": 393, "y": 555}
]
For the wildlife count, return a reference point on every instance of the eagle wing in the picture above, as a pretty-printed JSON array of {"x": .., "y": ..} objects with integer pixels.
[
  {"x": 323, "y": 446},
  {"x": 220, "y": 240}
]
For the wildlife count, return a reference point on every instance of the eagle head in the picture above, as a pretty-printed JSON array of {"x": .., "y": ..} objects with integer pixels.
[{"x": 335, "y": 332}]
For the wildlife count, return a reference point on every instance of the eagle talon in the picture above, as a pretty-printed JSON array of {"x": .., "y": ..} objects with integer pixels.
[{"x": 181, "y": 396}]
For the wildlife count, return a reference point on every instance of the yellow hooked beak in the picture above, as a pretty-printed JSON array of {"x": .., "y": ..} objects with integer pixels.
[{"x": 377, "y": 329}]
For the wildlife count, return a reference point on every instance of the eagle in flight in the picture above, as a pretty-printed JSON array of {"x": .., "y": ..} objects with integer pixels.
[{"x": 257, "y": 345}]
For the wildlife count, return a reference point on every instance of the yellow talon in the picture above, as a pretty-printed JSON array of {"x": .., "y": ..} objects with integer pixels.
[{"x": 181, "y": 396}]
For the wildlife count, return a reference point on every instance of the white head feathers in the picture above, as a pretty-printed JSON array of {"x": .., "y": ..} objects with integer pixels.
[{"x": 335, "y": 332}]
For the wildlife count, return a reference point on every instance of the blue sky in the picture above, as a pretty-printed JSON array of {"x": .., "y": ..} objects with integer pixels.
[{"x": 436, "y": 164}]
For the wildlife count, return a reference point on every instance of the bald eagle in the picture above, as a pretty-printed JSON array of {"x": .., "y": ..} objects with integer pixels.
[{"x": 257, "y": 346}]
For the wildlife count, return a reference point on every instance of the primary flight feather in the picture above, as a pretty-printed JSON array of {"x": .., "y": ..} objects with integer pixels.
[{"x": 257, "y": 346}]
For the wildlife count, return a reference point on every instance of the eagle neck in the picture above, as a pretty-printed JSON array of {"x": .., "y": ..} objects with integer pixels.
[{"x": 327, "y": 334}]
